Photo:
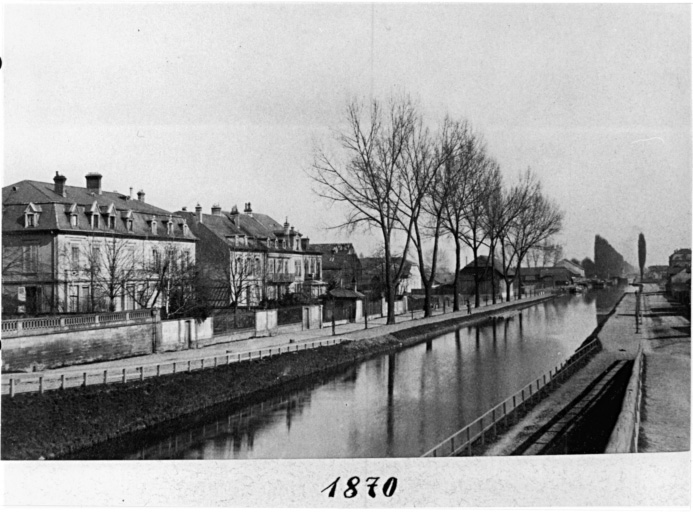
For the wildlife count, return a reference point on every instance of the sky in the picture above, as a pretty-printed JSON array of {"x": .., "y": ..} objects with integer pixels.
[{"x": 225, "y": 103}]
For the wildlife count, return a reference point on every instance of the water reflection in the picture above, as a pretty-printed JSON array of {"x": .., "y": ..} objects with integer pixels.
[{"x": 397, "y": 405}]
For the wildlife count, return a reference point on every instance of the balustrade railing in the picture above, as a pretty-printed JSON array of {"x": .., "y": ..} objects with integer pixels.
[{"x": 32, "y": 324}]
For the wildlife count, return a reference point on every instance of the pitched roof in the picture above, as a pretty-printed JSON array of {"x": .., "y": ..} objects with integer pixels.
[
  {"x": 481, "y": 264},
  {"x": 337, "y": 256},
  {"x": 345, "y": 293},
  {"x": 56, "y": 210}
]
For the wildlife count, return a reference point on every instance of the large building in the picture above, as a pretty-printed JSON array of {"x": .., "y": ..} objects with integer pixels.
[
  {"x": 249, "y": 257},
  {"x": 80, "y": 249}
]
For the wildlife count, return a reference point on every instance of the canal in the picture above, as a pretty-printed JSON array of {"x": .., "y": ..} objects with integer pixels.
[{"x": 397, "y": 405}]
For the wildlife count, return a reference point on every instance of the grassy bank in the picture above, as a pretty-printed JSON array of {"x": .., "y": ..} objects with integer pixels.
[{"x": 59, "y": 423}]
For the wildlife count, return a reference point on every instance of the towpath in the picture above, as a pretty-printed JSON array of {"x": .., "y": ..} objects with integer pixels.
[{"x": 665, "y": 337}]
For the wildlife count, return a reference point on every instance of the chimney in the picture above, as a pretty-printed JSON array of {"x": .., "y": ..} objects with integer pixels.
[
  {"x": 305, "y": 243},
  {"x": 286, "y": 227},
  {"x": 248, "y": 210},
  {"x": 216, "y": 210},
  {"x": 59, "y": 181},
  {"x": 184, "y": 209},
  {"x": 94, "y": 182},
  {"x": 198, "y": 212},
  {"x": 130, "y": 195},
  {"x": 140, "y": 196},
  {"x": 234, "y": 215}
]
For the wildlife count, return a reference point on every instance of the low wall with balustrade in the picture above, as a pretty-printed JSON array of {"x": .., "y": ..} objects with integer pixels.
[
  {"x": 34, "y": 344},
  {"x": 38, "y": 343}
]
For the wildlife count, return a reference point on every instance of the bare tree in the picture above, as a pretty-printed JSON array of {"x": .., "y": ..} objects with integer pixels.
[
  {"x": 536, "y": 222},
  {"x": 369, "y": 182},
  {"x": 423, "y": 208},
  {"x": 474, "y": 211},
  {"x": 110, "y": 269},
  {"x": 455, "y": 188}
]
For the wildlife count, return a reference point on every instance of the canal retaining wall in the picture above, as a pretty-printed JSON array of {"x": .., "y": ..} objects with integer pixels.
[{"x": 90, "y": 416}]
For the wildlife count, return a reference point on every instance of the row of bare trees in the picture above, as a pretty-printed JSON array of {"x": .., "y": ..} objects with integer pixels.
[{"x": 416, "y": 185}]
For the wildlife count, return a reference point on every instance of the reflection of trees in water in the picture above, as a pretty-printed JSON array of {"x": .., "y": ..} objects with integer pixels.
[{"x": 607, "y": 298}]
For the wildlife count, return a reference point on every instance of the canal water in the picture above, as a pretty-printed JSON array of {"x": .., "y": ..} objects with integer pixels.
[{"x": 397, "y": 405}]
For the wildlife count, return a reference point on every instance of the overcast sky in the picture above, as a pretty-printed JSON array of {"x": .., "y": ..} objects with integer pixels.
[{"x": 223, "y": 103}]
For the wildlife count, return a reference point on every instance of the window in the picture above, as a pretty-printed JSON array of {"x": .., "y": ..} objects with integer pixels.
[
  {"x": 75, "y": 257},
  {"x": 96, "y": 257},
  {"x": 30, "y": 220},
  {"x": 154, "y": 227},
  {"x": 156, "y": 259},
  {"x": 73, "y": 220},
  {"x": 258, "y": 267},
  {"x": 129, "y": 224},
  {"x": 185, "y": 230},
  {"x": 94, "y": 221},
  {"x": 111, "y": 222},
  {"x": 30, "y": 259},
  {"x": 169, "y": 228},
  {"x": 271, "y": 266}
]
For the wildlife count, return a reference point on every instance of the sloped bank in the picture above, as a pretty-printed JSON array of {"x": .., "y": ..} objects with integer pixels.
[{"x": 68, "y": 423}]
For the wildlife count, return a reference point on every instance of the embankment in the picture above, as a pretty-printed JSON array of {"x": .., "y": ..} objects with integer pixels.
[{"x": 60, "y": 423}]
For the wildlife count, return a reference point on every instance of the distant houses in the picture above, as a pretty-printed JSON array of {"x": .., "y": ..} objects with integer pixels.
[{"x": 678, "y": 284}]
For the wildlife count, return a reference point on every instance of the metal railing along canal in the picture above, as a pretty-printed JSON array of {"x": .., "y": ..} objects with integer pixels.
[{"x": 486, "y": 426}]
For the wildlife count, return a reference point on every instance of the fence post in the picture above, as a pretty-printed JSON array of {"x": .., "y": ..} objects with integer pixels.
[
  {"x": 505, "y": 416},
  {"x": 174, "y": 367},
  {"x": 141, "y": 372},
  {"x": 124, "y": 379},
  {"x": 84, "y": 383},
  {"x": 158, "y": 370},
  {"x": 215, "y": 362},
  {"x": 105, "y": 376},
  {"x": 202, "y": 363},
  {"x": 469, "y": 443},
  {"x": 483, "y": 437},
  {"x": 11, "y": 386},
  {"x": 366, "y": 308},
  {"x": 333, "y": 323},
  {"x": 228, "y": 359},
  {"x": 41, "y": 384},
  {"x": 493, "y": 418},
  {"x": 188, "y": 364},
  {"x": 62, "y": 381}
]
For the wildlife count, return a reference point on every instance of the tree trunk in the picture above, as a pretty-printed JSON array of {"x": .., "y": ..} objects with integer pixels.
[
  {"x": 476, "y": 277},
  {"x": 456, "y": 284},
  {"x": 493, "y": 273}
]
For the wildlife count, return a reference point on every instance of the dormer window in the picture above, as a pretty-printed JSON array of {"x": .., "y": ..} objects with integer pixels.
[
  {"x": 283, "y": 243},
  {"x": 129, "y": 225},
  {"x": 95, "y": 221},
  {"x": 111, "y": 222},
  {"x": 31, "y": 215},
  {"x": 73, "y": 220},
  {"x": 153, "y": 223},
  {"x": 169, "y": 228}
]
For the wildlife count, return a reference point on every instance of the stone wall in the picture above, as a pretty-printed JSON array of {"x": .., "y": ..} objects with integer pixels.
[{"x": 41, "y": 351}]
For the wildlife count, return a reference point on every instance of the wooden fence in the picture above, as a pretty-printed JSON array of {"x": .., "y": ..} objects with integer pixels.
[
  {"x": 35, "y": 382},
  {"x": 509, "y": 410}
]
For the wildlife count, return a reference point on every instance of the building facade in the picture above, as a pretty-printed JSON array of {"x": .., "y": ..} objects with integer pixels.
[
  {"x": 70, "y": 249},
  {"x": 250, "y": 258},
  {"x": 341, "y": 265}
]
